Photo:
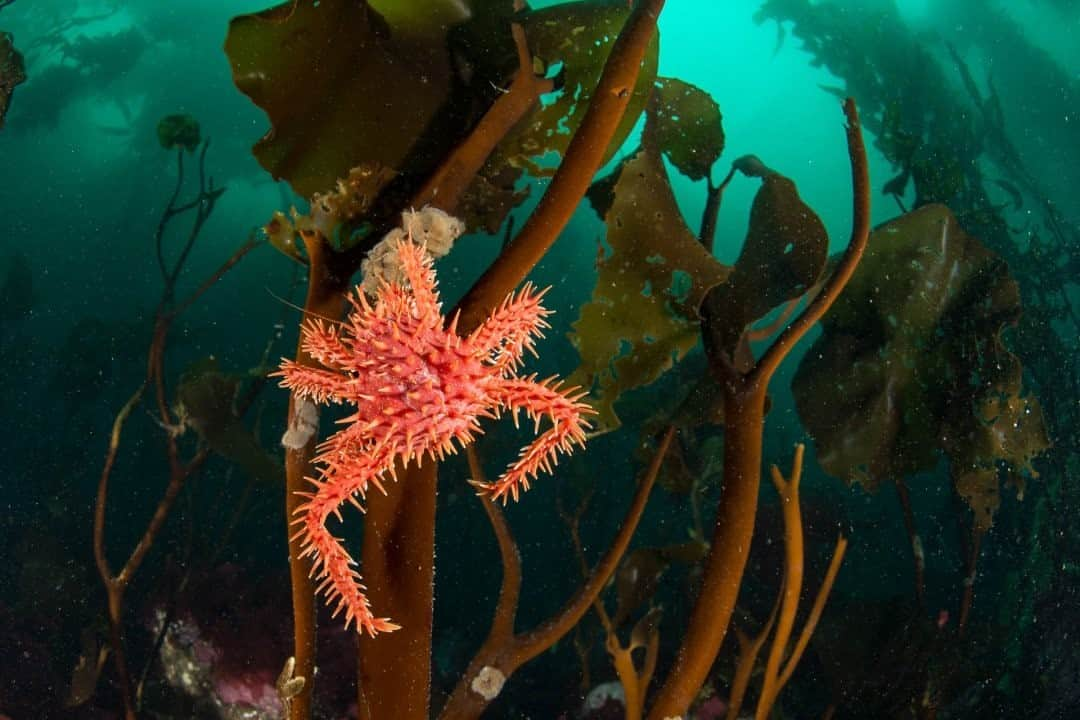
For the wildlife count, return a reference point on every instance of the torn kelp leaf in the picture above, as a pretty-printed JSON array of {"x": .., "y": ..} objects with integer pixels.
[
  {"x": 911, "y": 366},
  {"x": 642, "y": 317}
]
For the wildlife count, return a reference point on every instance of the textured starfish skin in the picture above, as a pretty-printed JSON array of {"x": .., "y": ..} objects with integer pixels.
[{"x": 418, "y": 388}]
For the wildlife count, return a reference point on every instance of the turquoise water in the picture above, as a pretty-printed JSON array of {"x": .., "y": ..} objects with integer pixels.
[{"x": 939, "y": 399}]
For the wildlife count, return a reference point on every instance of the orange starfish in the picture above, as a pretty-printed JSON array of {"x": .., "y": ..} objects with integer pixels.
[{"x": 418, "y": 387}]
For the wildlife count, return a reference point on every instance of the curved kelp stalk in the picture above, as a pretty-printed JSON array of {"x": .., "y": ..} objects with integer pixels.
[
  {"x": 504, "y": 651},
  {"x": 783, "y": 657},
  {"x": 180, "y": 469},
  {"x": 584, "y": 156},
  {"x": 744, "y": 393}
]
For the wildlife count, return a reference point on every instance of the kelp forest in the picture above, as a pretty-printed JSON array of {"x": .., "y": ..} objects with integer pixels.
[{"x": 521, "y": 427}]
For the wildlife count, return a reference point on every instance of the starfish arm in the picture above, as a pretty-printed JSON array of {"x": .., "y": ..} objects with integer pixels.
[
  {"x": 356, "y": 457},
  {"x": 394, "y": 303},
  {"x": 512, "y": 329},
  {"x": 324, "y": 342},
  {"x": 419, "y": 270},
  {"x": 333, "y": 567},
  {"x": 538, "y": 399},
  {"x": 321, "y": 386}
]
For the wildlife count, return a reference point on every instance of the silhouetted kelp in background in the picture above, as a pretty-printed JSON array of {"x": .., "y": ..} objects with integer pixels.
[{"x": 12, "y": 72}]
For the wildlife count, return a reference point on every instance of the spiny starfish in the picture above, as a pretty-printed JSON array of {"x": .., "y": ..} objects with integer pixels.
[{"x": 418, "y": 388}]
